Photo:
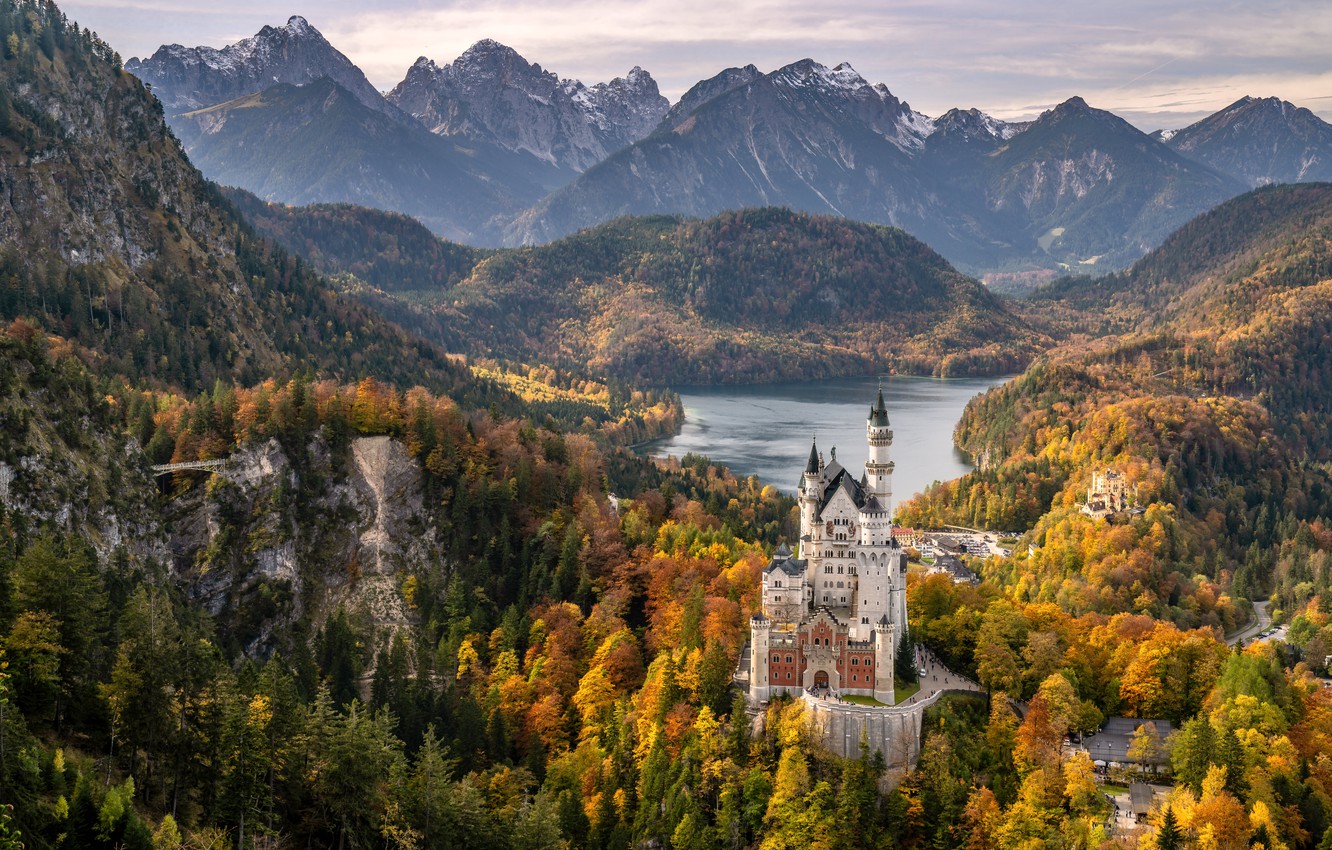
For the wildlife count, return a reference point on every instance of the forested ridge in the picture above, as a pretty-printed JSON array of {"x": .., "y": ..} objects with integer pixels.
[
  {"x": 754, "y": 295},
  {"x": 1212, "y": 411}
]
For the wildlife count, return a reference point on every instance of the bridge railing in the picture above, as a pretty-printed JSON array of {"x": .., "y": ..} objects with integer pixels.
[{"x": 206, "y": 465}]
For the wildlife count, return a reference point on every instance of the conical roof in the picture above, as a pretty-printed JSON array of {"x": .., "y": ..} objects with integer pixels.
[{"x": 879, "y": 413}]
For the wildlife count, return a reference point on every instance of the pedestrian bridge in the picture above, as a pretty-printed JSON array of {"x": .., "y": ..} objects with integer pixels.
[{"x": 204, "y": 465}]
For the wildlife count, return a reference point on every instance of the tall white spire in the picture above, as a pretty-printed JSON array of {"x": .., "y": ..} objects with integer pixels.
[{"x": 879, "y": 467}]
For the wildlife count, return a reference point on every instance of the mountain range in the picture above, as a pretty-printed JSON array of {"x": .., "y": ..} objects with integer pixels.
[{"x": 494, "y": 150}]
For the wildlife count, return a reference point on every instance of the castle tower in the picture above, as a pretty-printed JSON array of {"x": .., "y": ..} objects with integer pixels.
[
  {"x": 809, "y": 502},
  {"x": 874, "y": 594},
  {"x": 879, "y": 467},
  {"x": 885, "y": 653},
  {"x": 759, "y": 627}
]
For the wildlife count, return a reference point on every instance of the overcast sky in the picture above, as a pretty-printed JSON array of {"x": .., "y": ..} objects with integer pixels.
[{"x": 1158, "y": 64}]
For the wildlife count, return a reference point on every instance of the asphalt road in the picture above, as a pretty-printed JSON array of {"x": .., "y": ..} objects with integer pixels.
[{"x": 1259, "y": 625}]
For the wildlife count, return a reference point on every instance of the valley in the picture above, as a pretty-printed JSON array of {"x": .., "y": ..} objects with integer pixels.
[{"x": 319, "y": 529}]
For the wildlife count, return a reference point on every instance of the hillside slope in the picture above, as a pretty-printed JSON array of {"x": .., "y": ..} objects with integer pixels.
[
  {"x": 1214, "y": 413},
  {"x": 110, "y": 237},
  {"x": 1277, "y": 234}
]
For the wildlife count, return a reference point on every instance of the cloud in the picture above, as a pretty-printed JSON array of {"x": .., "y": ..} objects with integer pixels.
[{"x": 1151, "y": 62}]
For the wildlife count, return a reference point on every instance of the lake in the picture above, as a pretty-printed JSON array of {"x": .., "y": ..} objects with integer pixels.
[{"x": 765, "y": 429}]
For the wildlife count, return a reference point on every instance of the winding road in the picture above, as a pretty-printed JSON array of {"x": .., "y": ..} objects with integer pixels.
[{"x": 1260, "y": 623}]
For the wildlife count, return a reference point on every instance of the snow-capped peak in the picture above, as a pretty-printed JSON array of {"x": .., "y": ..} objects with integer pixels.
[
  {"x": 972, "y": 123},
  {"x": 845, "y": 76},
  {"x": 912, "y": 129},
  {"x": 296, "y": 53},
  {"x": 485, "y": 47}
]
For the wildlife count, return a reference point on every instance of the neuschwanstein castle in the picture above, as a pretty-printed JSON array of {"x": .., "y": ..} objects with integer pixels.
[{"x": 833, "y": 612}]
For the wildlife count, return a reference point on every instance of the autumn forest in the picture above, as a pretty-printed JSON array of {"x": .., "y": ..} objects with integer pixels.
[{"x": 430, "y": 596}]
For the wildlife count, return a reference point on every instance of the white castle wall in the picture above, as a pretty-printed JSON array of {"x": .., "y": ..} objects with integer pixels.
[{"x": 894, "y": 731}]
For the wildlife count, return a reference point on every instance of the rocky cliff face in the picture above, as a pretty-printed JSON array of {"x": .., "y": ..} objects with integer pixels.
[
  {"x": 1259, "y": 141},
  {"x": 274, "y": 539},
  {"x": 493, "y": 94},
  {"x": 190, "y": 78}
]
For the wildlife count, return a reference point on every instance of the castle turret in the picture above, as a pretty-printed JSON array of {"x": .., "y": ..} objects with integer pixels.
[
  {"x": 885, "y": 653},
  {"x": 809, "y": 501},
  {"x": 879, "y": 467}
]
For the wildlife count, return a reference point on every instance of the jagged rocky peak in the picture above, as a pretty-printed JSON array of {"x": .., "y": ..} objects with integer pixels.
[
  {"x": 708, "y": 90},
  {"x": 189, "y": 78},
  {"x": 492, "y": 92},
  {"x": 844, "y": 89},
  {"x": 974, "y": 125},
  {"x": 296, "y": 26},
  {"x": 1073, "y": 108},
  {"x": 488, "y": 57},
  {"x": 807, "y": 72},
  {"x": 626, "y": 108}
]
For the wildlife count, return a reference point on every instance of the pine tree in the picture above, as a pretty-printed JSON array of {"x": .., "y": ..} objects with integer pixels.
[
  {"x": 1168, "y": 836},
  {"x": 904, "y": 665}
]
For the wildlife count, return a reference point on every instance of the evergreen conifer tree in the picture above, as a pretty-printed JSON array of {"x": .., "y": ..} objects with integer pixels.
[
  {"x": 1168, "y": 836},
  {"x": 904, "y": 665}
]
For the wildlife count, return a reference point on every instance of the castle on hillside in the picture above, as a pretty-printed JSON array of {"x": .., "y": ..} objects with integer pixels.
[
  {"x": 834, "y": 611},
  {"x": 1108, "y": 493}
]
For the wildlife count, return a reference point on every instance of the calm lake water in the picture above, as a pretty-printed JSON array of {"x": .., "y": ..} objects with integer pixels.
[{"x": 765, "y": 430}]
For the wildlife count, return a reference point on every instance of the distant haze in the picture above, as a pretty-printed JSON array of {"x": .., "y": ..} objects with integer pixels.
[{"x": 1157, "y": 65}]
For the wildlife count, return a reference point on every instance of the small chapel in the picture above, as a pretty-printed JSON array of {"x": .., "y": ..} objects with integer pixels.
[{"x": 834, "y": 610}]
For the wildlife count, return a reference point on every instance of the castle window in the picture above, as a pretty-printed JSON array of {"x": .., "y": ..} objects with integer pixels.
[
  {"x": 855, "y": 678},
  {"x": 777, "y": 583},
  {"x": 788, "y": 659},
  {"x": 864, "y": 621},
  {"x": 843, "y": 598},
  {"x": 839, "y": 569},
  {"x": 828, "y": 569},
  {"x": 855, "y": 660}
]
